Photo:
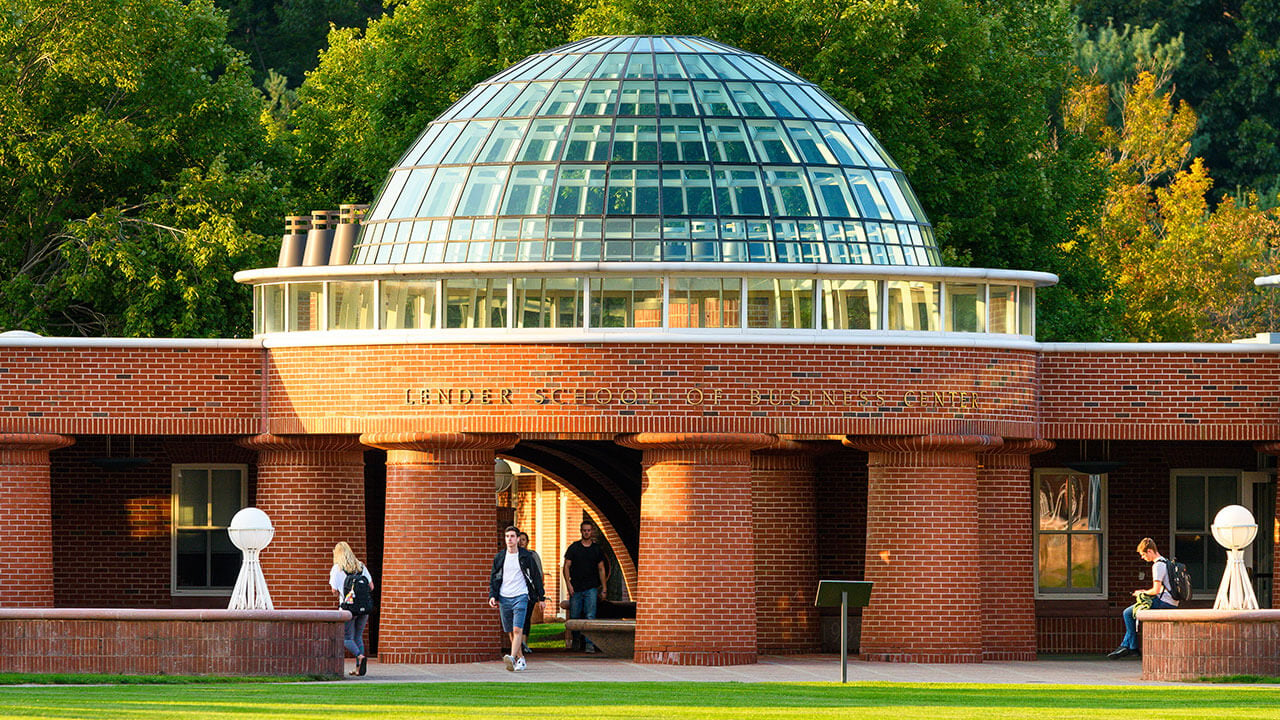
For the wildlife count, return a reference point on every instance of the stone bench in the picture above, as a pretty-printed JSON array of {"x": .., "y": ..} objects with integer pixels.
[
  {"x": 615, "y": 638},
  {"x": 172, "y": 642},
  {"x": 1190, "y": 644}
]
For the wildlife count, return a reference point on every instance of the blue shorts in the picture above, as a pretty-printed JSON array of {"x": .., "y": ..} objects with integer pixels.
[{"x": 513, "y": 611}]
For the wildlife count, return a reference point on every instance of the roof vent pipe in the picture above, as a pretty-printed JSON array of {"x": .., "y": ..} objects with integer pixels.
[
  {"x": 294, "y": 242},
  {"x": 344, "y": 237},
  {"x": 320, "y": 238}
]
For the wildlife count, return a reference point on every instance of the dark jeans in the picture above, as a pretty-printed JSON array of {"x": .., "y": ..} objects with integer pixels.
[
  {"x": 582, "y": 604},
  {"x": 1131, "y": 623},
  {"x": 353, "y": 634}
]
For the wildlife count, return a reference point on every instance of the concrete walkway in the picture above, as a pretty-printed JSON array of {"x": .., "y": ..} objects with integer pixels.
[{"x": 569, "y": 667}]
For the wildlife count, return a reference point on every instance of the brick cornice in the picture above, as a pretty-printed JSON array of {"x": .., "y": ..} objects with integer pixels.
[
  {"x": 924, "y": 443},
  {"x": 33, "y": 442},
  {"x": 696, "y": 441},
  {"x": 430, "y": 442},
  {"x": 1029, "y": 446},
  {"x": 1268, "y": 448},
  {"x": 301, "y": 443}
]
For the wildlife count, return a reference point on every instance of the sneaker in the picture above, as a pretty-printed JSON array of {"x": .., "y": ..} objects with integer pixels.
[
  {"x": 592, "y": 650},
  {"x": 510, "y": 663},
  {"x": 519, "y": 664}
]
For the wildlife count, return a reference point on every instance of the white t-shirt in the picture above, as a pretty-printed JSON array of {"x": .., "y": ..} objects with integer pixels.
[
  {"x": 1160, "y": 571},
  {"x": 512, "y": 579},
  {"x": 338, "y": 578}
]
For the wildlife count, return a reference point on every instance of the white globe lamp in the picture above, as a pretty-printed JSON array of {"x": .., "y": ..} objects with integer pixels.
[
  {"x": 251, "y": 531},
  {"x": 1234, "y": 528}
]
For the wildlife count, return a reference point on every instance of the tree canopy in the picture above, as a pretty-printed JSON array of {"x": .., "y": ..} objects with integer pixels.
[{"x": 124, "y": 129}]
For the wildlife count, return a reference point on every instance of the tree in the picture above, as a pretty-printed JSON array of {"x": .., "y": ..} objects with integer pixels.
[
  {"x": 114, "y": 117},
  {"x": 286, "y": 36},
  {"x": 374, "y": 91},
  {"x": 1177, "y": 268},
  {"x": 963, "y": 95},
  {"x": 1228, "y": 75}
]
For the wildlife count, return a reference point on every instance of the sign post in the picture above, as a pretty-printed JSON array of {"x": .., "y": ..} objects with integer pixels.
[{"x": 843, "y": 593}]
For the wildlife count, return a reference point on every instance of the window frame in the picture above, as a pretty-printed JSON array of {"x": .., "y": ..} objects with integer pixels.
[
  {"x": 1101, "y": 594},
  {"x": 175, "y": 473},
  {"x": 1169, "y": 549}
]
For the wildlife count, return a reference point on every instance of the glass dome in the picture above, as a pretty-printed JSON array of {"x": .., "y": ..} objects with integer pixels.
[{"x": 650, "y": 149}]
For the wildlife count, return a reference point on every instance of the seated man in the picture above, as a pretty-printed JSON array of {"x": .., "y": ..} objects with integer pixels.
[{"x": 1155, "y": 597}]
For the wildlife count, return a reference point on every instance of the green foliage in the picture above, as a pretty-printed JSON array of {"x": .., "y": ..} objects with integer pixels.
[
  {"x": 1228, "y": 76},
  {"x": 286, "y": 36},
  {"x": 119, "y": 120},
  {"x": 373, "y": 92},
  {"x": 961, "y": 93}
]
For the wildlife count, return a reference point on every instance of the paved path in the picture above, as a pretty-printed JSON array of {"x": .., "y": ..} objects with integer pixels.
[{"x": 566, "y": 667}]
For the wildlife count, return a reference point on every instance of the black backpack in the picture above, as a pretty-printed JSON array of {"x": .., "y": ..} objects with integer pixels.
[
  {"x": 1179, "y": 580},
  {"x": 357, "y": 596}
]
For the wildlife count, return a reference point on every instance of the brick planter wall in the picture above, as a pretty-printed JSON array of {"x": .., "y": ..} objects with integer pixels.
[
  {"x": 1189, "y": 644},
  {"x": 172, "y": 642}
]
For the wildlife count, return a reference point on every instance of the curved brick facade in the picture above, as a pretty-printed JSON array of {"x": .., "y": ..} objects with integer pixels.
[{"x": 949, "y": 434}]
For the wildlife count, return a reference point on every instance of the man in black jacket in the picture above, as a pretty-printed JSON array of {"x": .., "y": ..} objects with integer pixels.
[{"x": 514, "y": 585}]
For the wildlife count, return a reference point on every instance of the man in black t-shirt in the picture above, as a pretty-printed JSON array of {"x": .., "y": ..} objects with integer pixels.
[{"x": 584, "y": 578}]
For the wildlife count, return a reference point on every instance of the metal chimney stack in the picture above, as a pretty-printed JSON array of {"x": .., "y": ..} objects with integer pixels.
[
  {"x": 344, "y": 237},
  {"x": 294, "y": 243}
]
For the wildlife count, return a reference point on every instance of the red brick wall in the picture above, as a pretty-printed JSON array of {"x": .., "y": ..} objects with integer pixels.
[
  {"x": 25, "y": 517},
  {"x": 1008, "y": 560},
  {"x": 696, "y": 594},
  {"x": 440, "y": 541},
  {"x": 96, "y": 390},
  {"x": 666, "y": 388},
  {"x": 1186, "y": 645},
  {"x": 171, "y": 642},
  {"x": 312, "y": 488},
  {"x": 923, "y": 550},
  {"x": 783, "y": 517},
  {"x": 115, "y": 523},
  {"x": 1157, "y": 396}
]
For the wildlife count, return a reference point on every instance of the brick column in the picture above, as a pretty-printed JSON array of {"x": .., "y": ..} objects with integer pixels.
[
  {"x": 696, "y": 590},
  {"x": 438, "y": 547},
  {"x": 923, "y": 548},
  {"x": 312, "y": 488},
  {"x": 26, "y": 520},
  {"x": 784, "y": 523},
  {"x": 1005, "y": 517},
  {"x": 1271, "y": 448}
]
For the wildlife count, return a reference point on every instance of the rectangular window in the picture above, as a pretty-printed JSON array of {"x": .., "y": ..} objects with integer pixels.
[
  {"x": 851, "y": 304},
  {"x": 913, "y": 305},
  {"x": 548, "y": 302},
  {"x": 205, "y": 497},
  {"x": 1070, "y": 533},
  {"x": 966, "y": 307},
  {"x": 475, "y": 303},
  {"x": 704, "y": 302},
  {"x": 782, "y": 303},
  {"x": 305, "y": 306},
  {"x": 408, "y": 305},
  {"x": 272, "y": 308},
  {"x": 351, "y": 305},
  {"x": 626, "y": 302},
  {"x": 1004, "y": 309},
  {"x": 1198, "y": 495}
]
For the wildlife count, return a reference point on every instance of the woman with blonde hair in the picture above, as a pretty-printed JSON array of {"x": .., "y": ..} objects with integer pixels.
[{"x": 341, "y": 581}]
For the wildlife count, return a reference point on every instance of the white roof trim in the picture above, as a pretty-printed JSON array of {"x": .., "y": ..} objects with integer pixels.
[{"x": 913, "y": 272}]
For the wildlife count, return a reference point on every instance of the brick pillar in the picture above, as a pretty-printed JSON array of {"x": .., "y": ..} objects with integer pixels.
[
  {"x": 312, "y": 488},
  {"x": 1265, "y": 524},
  {"x": 923, "y": 548},
  {"x": 26, "y": 522},
  {"x": 784, "y": 523},
  {"x": 1005, "y": 521},
  {"x": 438, "y": 547},
  {"x": 696, "y": 591}
]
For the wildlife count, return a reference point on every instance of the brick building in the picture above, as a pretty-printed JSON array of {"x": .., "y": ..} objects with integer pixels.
[{"x": 697, "y": 299}]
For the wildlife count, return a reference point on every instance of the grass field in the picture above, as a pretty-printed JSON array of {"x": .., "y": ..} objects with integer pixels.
[{"x": 664, "y": 701}]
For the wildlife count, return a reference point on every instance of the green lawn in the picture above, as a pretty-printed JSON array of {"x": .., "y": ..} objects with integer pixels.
[{"x": 665, "y": 701}]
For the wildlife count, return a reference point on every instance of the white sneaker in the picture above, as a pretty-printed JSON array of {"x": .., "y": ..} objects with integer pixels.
[
  {"x": 519, "y": 664},
  {"x": 509, "y": 662}
]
